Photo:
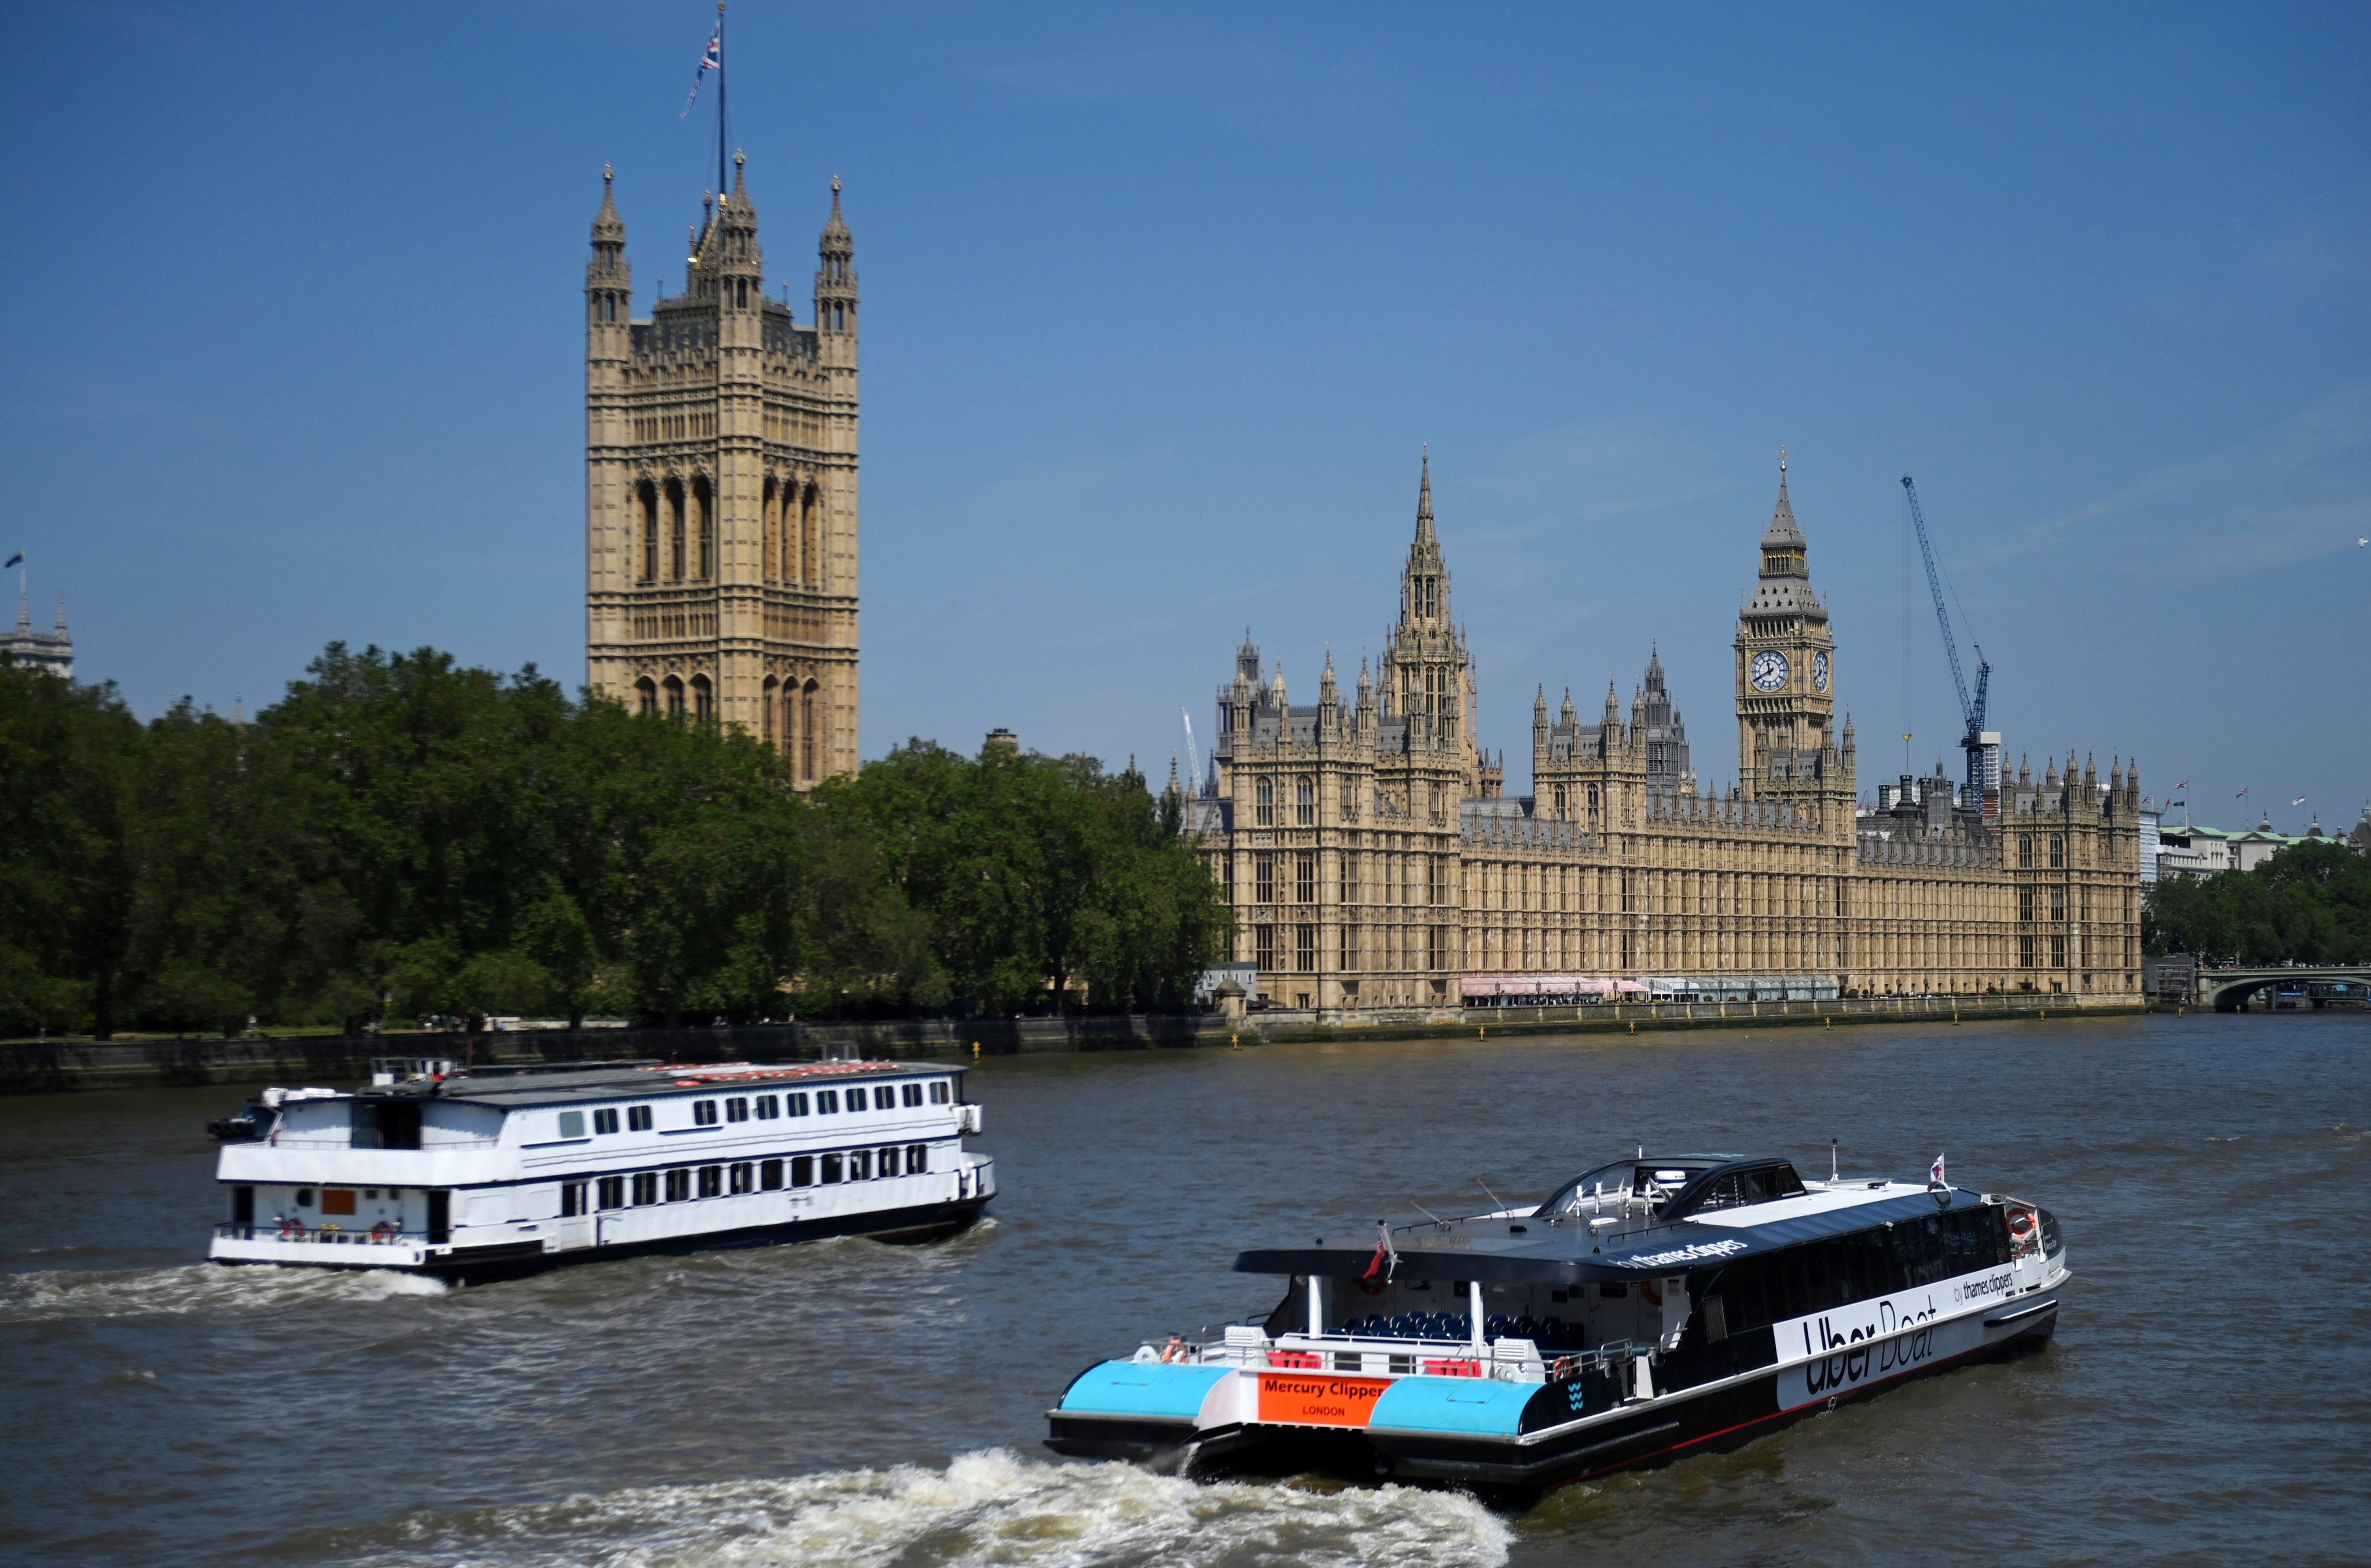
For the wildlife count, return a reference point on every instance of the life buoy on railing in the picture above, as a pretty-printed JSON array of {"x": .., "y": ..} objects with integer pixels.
[
  {"x": 291, "y": 1229},
  {"x": 1647, "y": 1288},
  {"x": 384, "y": 1232}
]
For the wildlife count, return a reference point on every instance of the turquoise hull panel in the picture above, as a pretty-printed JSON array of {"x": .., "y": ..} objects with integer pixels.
[
  {"x": 1139, "y": 1388},
  {"x": 1471, "y": 1406}
]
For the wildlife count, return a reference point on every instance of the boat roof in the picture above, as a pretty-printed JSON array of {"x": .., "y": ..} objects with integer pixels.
[
  {"x": 566, "y": 1082},
  {"x": 1527, "y": 1246}
]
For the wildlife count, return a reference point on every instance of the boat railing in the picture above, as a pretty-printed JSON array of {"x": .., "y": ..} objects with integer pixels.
[
  {"x": 284, "y": 1140},
  {"x": 1505, "y": 1358},
  {"x": 332, "y": 1235}
]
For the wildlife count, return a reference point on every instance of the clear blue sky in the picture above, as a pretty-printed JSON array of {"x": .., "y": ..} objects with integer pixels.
[{"x": 1161, "y": 303}]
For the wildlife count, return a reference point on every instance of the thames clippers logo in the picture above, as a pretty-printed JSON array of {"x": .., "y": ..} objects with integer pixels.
[{"x": 1694, "y": 1253}]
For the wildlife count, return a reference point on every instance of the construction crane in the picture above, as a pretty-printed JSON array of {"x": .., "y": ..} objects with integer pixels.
[
  {"x": 1971, "y": 714},
  {"x": 1193, "y": 759}
]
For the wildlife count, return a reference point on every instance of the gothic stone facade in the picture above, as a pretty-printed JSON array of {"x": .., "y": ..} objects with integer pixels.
[
  {"x": 720, "y": 500},
  {"x": 1373, "y": 859}
]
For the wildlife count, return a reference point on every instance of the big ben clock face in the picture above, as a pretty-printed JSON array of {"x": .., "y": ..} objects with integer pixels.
[
  {"x": 1770, "y": 671},
  {"x": 1819, "y": 672}
]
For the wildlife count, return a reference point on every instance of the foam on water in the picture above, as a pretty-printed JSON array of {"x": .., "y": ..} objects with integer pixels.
[
  {"x": 991, "y": 1507},
  {"x": 195, "y": 1287}
]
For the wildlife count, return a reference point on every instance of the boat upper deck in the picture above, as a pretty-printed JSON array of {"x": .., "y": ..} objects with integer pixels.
[
  {"x": 1627, "y": 1219},
  {"x": 569, "y": 1083}
]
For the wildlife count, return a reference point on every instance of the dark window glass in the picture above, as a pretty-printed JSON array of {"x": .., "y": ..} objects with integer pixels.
[
  {"x": 304, "y": 1197},
  {"x": 826, "y": 1101},
  {"x": 711, "y": 1180},
  {"x": 911, "y": 1094},
  {"x": 768, "y": 1108},
  {"x": 646, "y": 1187},
  {"x": 613, "y": 1191},
  {"x": 638, "y": 1118},
  {"x": 703, "y": 1113},
  {"x": 831, "y": 1165},
  {"x": 769, "y": 1175},
  {"x": 796, "y": 1104},
  {"x": 572, "y": 1199},
  {"x": 679, "y": 1186},
  {"x": 1785, "y": 1184},
  {"x": 745, "y": 1177},
  {"x": 604, "y": 1121},
  {"x": 884, "y": 1097},
  {"x": 736, "y": 1109},
  {"x": 889, "y": 1166},
  {"x": 917, "y": 1158},
  {"x": 938, "y": 1094},
  {"x": 802, "y": 1171},
  {"x": 859, "y": 1165}
]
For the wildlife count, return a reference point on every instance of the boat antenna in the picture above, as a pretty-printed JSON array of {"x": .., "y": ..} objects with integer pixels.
[
  {"x": 1831, "y": 1161},
  {"x": 1642, "y": 1148},
  {"x": 1429, "y": 1213},
  {"x": 1494, "y": 1197}
]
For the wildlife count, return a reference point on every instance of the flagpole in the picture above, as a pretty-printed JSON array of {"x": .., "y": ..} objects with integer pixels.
[{"x": 721, "y": 161}]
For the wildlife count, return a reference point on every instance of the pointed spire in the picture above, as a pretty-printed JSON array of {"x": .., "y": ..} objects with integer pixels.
[
  {"x": 1424, "y": 533},
  {"x": 834, "y": 229},
  {"x": 1540, "y": 705},
  {"x": 607, "y": 226},
  {"x": 740, "y": 180},
  {"x": 1782, "y": 530},
  {"x": 1566, "y": 716}
]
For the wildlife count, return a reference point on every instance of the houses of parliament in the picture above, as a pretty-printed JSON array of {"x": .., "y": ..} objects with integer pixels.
[
  {"x": 1374, "y": 860},
  {"x": 720, "y": 494}
]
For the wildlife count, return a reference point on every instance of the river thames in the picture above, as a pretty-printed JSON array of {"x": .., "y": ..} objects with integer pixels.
[{"x": 2205, "y": 1398}]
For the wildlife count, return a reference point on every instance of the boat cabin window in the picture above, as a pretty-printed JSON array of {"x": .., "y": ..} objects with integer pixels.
[
  {"x": 911, "y": 1094},
  {"x": 889, "y": 1166},
  {"x": 767, "y": 1107},
  {"x": 859, "y": 1165},
  {"x": 613, "y": 1191},
  {"x": 917, "y": 1158},
  {"x": 1741, "y": 1188},
  {"x": 769, "y": 1175},
  {"x": 646, "y": 1187},
  {"x": 679, "y": 1186},
  {"x": 572, "y": 1199},
  {"x": 638, "y": 1118},
  {"x": 940, "y": 1093},
  {"x": 802, "y": 1171},
  {"x": 884, "y": 1097},
  {"x": 703, "y": 1113},
  {"x": 831, "y": 1164},
  {"x": 304, "y": 1197},
  {"x": 826, "y": 1101},
  {"x": 745, "y": 1178},
  {"x": 711, "y": 1180},
  {"x": 796, "y": 1104},
  {"x": 572, "y": 1124},
  {"x": 604, "y": 1121},
  {"x": 736, "y": 1109}
]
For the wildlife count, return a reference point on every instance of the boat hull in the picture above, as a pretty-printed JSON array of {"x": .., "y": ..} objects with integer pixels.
[
  {"x": 512, "y": 1260},
  {"x": 1515, "y": 1469}
]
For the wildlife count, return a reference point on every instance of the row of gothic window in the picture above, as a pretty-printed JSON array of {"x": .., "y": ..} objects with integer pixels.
[
  {"x": 786, "y": 712},
  {"x": 1294, "y": 948},
  {"x": 677, "y": 526},
  {"x": 1405, "y": 882}
]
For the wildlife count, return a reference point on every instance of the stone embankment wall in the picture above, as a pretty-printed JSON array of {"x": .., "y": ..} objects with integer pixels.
[{"x": 27, "y": 1067}]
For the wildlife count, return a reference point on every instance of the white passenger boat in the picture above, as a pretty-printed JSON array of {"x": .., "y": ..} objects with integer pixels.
[
  {"x": 1649, "y": 1309},
  {"x": 477, "y": 1175}
]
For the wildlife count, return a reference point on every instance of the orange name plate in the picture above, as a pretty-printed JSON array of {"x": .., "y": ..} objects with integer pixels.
[{"x": 1315, "y": 1400}]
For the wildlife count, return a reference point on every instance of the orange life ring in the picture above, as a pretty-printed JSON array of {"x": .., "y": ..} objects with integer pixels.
[
  {"x": 2020, "y": 1224},
  {"x": 1653, "y": 1294},
  {"x": 384, "y": 1231},
  {"x": 291, "y": 1229}
]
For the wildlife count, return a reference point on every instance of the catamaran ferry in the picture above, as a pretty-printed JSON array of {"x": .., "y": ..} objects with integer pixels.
[
  {"x": 477, "y": 1175},
  {"x": 1649, "y": 1309}
]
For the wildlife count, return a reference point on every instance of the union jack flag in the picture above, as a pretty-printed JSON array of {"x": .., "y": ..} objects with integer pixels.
[{"x": 712, "y": 60}]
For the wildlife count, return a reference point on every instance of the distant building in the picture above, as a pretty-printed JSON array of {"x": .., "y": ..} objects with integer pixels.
[
  {"x": 51, "y": 651},
  {"x": 2197, "y": 850},
  {"x": 2150, "y": 843}
]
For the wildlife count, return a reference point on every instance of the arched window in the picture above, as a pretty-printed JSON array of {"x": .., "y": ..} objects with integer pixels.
[
  {"x": 810, "y": 561},
  {"x": 1305, "y": 803},
  {"x": 1264, "y": 798},
  {"x": 807, "y": 734},
  {"x": 791, "y": 719},
  {"x": 675, "y": 529},
  {"x": 765, "y": 712},
  {"x": 839, "y": 318},
  {"x": 648, "y": 495},
  {"x": 703, "y": 697},
  {"x": 704, "y": 500},
  {"x": 646, "y": 695},
  {"x": 766, "y": 525},
  {"x": 674, "y": 690}
]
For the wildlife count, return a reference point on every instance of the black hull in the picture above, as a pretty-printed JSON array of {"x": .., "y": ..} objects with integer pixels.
[
  {"x": 482, "y": 1265},
  {"x": 1501, "y": 1473}
]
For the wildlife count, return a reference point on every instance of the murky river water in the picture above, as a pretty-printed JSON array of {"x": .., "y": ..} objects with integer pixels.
[{"x": 848, "y": 1402}]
